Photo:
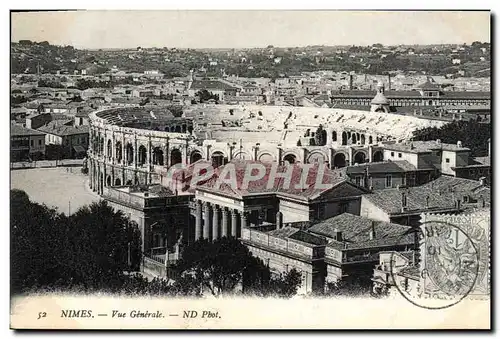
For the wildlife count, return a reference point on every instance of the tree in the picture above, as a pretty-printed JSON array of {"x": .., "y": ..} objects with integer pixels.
[
  {"x": 224, "y": 264},
  {"x": 320, "y": 136},
  {"x": 472, "y": 134},
  {"x": 85, "y": 251},
  {"x": 205, "y": 95}
]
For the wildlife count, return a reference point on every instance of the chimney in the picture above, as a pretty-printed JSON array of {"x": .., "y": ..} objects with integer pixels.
[
  {"x": 482, "y": 181},
  {"x": 350, "y": 81},
  {"x": 279, "y": 220},
  {"x": 438, "y": 141},
  {"x": 427, "y": 201},
  {"x": 372, "y": 230},
  {"x": 404, "y": 201},
  {"x": 459, "y": 144},
  {"x": 389, "y": 82}
]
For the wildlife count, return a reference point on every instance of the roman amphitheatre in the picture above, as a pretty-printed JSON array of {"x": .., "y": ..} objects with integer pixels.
[{"x": 134, "y": 145}]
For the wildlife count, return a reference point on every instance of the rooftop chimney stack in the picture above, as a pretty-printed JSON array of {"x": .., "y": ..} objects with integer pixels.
[
  {"x": 404, "y": 201},
  {"x": 438, "y": 141},
  {"x": 459, "y": 144},
  {"x": 372, "y": 231},
  {"x": 482, "y": 181}
]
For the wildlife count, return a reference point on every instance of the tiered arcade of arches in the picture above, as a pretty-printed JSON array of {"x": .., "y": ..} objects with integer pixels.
[{"x": 123, "y": 155}]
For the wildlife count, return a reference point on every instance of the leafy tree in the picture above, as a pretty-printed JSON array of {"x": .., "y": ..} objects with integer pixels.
[
  {"x": 85, "y": 251},
  {"x": 225, "y": 264},
  {"x": 205, "y": 95},
  {"x": 473, "y": 135}
]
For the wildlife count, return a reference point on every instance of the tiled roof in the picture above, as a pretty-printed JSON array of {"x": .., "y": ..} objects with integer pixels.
[
  {"x": 423, "y": 146},
  {"x": 17, "y": 130},
  {"x": 429, "y": 86},
  {"x": 308, "y": 238},
  {"x": 419, "y": 199},
  {"x": 63, "y": 130},
  {"x": 411, "y": 94},
  {"x": 279, "y": 185},
  {"x": 447, "y": 183},
  {"x": 356, "y": 229},
  {"x": 381, "y": 167},
  {"x": 284, "y": 232}
]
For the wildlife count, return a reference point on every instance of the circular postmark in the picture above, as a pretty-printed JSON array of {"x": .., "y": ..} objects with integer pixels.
[{"x": 444, "y": 269}]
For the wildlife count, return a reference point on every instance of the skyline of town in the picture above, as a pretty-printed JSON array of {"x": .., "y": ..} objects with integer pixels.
[{"x": 130, "y": 29}]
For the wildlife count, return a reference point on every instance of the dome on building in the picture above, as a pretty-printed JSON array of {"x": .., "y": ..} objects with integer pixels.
[{"x": 380, "y": 99}]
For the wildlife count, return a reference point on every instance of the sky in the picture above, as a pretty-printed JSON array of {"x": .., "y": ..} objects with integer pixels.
[{"x": 248, "y": 29}]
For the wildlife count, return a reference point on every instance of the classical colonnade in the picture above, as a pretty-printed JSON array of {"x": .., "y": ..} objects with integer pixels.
[{"x": 213, "y": 221}]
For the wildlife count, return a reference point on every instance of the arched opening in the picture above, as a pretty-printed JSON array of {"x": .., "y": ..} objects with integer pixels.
[
  {"x": 354, "y": 138},
  {"x": 359, "y": 158},
  {"x": 158, "y": 156},
  {"x": 166, "y": 129},
  {"x": 175, "y": 157},
  {"x": 218, "y": 159},
  {"x": 184, "y": 128},
  {"x": 344, "y": 138},
  {"x": 109, "y": 149},
  {"x": 129, "y": 182},
  {"x": 334, "y": 136},
  {"x": 370, "y": 140},
  {"x": 118, "y": 182},
  {"x": 142, "y": 155},
  {"x": 290, "y": 159},
  {"x": 130, "y": 154},
  {"x": 108, "y": 180},
  {"x": 339, "y": 160},
  {"x": 266, "y": 157},
  {"x": 378, "y": 156},
  {"x": 363, "y": 140},
  {"x": 178, "y": 129},
  {"x": 190, "y": 129},
  {"x": 118, "y": 151},
  {"x": 195, "y": 156}
]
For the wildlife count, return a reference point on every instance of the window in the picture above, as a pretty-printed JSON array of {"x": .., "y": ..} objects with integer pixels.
[
  {"x": 388, "y": 181},
  {"x": 358, "y": 180},
  {"x": 400, "y": 155},
  {"x": 466, "y": 198},
  {"x": 39, "y": 142},
  {"x": 392, "y": 154},
  {"x": 32, "y": 143},
  {"x": 447, "y": 160}
]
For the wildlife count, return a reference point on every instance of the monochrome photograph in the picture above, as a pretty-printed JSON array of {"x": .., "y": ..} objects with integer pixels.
[{"x": 250, "y": 169}]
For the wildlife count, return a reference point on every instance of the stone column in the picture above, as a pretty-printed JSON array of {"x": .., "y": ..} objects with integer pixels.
[
  {"x": 243, "y": 220},
  {"x": 206, "y": 217},
  {"x": 198, "y": 216},
  {"x": 224, "y": 222},
  {"x": 215, "y": 223},
  {"x": 234, "y": 223},
  {"x": 350, "y": 160},
  {"x": 370, "y": 153}
]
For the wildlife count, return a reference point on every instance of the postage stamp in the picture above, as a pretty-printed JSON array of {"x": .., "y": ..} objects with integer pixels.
[{"x": 454, "y": 259}]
